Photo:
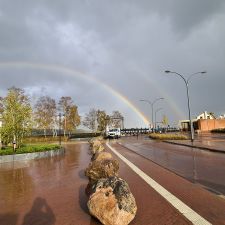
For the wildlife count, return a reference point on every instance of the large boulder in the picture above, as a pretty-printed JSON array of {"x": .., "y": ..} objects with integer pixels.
[
  {"x": 111, "y": 202},
  {"x": 102, "y": 169},
  {"x": 92, "y": 140},
  {"x": 97, "y": 147},
  {"x": 102, "y": 156}
]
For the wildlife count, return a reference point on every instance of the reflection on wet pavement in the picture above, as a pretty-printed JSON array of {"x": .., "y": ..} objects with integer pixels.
[
  {"x": 46, "y": 191},
  {"x": 199, "y": 166}
]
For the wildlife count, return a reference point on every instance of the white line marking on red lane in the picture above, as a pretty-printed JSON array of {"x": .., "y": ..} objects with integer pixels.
[{"x": 185, "y": 210}]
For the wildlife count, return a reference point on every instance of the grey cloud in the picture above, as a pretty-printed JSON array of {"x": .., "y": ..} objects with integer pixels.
[{"x": 126, "y": 44}]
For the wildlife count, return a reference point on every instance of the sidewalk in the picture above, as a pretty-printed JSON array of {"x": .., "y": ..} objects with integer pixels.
[{"x": 209, "y": 145}]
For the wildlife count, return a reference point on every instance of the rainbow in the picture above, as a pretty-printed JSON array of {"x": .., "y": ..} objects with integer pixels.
[
  {"x": 161, "y": 91},
  {"x": 173, "y": 105},
  {"x": 70, "y": 72}
]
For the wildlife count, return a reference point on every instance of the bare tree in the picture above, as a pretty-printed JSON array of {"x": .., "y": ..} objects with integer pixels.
[
  {"x": 90, "y": 120},
  {"x": 45, "y": 113},
  {"x": 65, "y": 103},
  {"x": 116, "y": 119}
]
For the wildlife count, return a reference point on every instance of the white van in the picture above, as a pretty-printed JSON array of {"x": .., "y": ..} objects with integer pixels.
[{"x": 114, "y": 133}]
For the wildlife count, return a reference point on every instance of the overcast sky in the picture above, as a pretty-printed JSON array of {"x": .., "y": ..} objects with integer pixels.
[{"x": 91, "y": 49}]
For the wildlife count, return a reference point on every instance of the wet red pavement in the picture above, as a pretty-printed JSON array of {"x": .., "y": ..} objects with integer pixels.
[
  {"x": 205, "y": 203},
  {"x": 46, "y": 191},
  {"x": 52, "y": 191},
  {"x": 199, "y": 166},
  {"x": 209, "y": 141}
]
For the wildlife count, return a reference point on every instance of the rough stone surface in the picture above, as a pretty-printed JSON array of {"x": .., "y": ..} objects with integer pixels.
[
  {"x": 92, "y": 140},
  {"x": 97, "y": 147},
  {"x": 112, "y": 202},
  {"x": 102, "y": 169},
  {"x": 102, "y": 156}
]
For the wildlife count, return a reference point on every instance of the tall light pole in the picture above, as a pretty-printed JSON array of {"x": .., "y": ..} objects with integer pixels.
[
  {"x": 152, "y": 106},
  {"x": 157, "y": 110},
  {"x": 186, "y": 81}
]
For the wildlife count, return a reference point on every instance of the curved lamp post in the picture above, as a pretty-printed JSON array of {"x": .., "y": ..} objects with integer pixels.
[
  {"x": 152, "y": 106},
  {"x": 186, "y": 81}
]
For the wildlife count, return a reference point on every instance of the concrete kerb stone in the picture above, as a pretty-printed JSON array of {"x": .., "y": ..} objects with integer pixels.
[
  {"x": 196, "y": 146},
  {"x": 31, "y": 156}
]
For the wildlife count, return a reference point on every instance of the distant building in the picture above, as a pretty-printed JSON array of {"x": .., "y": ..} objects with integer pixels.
[
  {"x": 184, "y": 125},
  {"x": 222, "y": 116},
  {"x": 203, "y": 122},
  {"x": 206, "y": 116}
]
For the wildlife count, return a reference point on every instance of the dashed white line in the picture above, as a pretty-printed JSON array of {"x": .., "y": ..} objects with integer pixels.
[{"x": 185, "y": 210}]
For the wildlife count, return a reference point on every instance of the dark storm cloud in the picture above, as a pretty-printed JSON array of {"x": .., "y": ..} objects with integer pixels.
[
  {"x": 186, "y": 15},
  {"x": 126, "y": 44}
]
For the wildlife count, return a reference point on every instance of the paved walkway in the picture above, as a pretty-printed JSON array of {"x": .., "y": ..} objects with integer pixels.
[
  {"x": 205, "y": 203},
  {"x": 210, "y": 145},
  {"x": 196, "y": 165}
]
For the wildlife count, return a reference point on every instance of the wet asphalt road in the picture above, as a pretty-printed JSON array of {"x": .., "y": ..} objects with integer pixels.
[{"x": 198, "y": 166}]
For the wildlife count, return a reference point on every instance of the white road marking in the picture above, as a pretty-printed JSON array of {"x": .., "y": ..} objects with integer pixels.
[{"x": 185, "y": 210}]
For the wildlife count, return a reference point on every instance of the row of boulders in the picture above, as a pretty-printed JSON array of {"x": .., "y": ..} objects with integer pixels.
[{"x": 110, "y": 199}]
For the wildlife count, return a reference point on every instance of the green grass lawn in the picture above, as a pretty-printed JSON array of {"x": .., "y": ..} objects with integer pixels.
[
  {"x": 168, "y": 136},
  {"x": 29, "y": 149}
]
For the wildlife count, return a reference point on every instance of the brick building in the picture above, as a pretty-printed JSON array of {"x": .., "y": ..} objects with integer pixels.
[
  {"x": 210, "y": 124},
  {"x": 204, "y": 122}
]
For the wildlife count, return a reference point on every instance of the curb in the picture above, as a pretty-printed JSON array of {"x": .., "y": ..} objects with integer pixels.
[
  {"x": 195, "y": 146},
  {"x": 31, "y": 156}
]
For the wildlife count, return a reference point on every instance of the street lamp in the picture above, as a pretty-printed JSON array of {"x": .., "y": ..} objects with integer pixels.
[
  {"x": 186, "y": 81},
  {"x": 152, "y": 106},
  {"x": 157, "y": 110}
]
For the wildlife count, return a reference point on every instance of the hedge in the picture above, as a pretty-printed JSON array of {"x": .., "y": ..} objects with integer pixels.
[
  {"x": 168, "y": 136},
  {"x": 29, "y": 149}
]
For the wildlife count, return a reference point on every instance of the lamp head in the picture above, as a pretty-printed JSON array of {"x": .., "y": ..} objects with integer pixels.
[{"x": 167, "y": 71}]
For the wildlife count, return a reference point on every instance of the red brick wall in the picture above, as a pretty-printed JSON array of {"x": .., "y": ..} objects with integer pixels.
[{"x": 207, "y": 125}]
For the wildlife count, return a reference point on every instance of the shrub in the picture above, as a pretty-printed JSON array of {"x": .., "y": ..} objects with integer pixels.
[
  {"x": 168, "y": 136},
  {"x": 29, "y": 149},
  {"x": 85, "y": 135},
  {"x": 40, "y": 139},
  {"x": 220, "y": 130},
  {"x": 6, "y": 151}
]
